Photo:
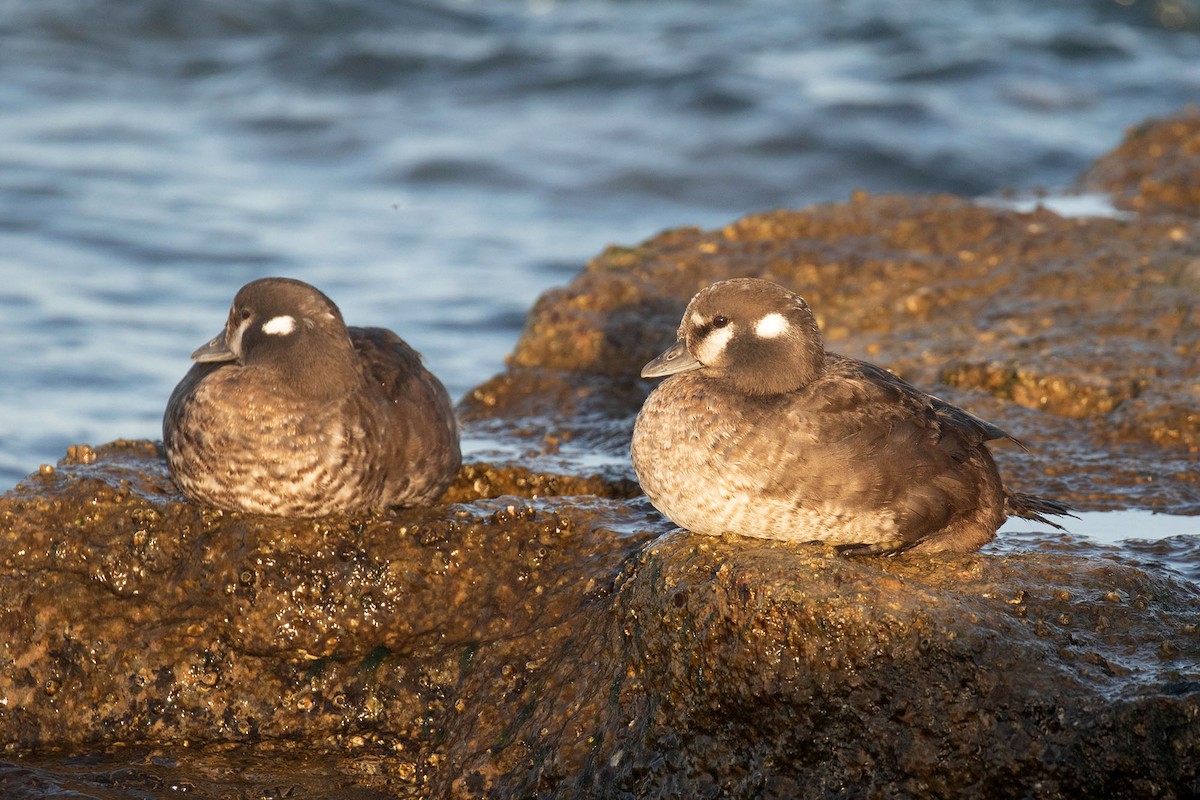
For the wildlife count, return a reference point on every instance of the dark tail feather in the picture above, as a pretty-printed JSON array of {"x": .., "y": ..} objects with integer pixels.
[{"x": 1028, "y": 506}]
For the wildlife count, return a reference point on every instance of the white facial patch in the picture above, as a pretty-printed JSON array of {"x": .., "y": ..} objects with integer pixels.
[
  {"x": 234, "y": 340},
  {"x": 709, "y": 350},
  {"x": 772, "y": 325},
  {"x": 279, "y": 326}
]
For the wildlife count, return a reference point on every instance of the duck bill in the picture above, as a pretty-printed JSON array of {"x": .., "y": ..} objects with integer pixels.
[
  {"x": 674, "y": 360},
  {"x": 214, "y": 350}
]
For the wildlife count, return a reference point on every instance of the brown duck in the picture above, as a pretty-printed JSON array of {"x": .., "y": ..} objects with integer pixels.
[
  {"x": 759, "y": 431},
  {"x": 289, "y": 412}
]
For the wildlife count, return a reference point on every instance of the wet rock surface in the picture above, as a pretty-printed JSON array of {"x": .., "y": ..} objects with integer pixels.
[
  {"x": 544, "y": 633},
  {"x": 423, "y": 639},
  {"x": 861, "y": 675},
  {"x": 1156, "y": 169}
]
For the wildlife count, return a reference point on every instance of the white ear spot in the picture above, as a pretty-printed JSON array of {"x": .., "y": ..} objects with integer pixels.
[
  {"x": 710, "y": 348},
  {"x": 279, "y": 326},
  {"x": 772, "y": 325}
]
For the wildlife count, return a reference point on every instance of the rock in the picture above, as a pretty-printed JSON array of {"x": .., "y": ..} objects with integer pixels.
[
  {"x": 545, "y": 633},
  {"x": 136, "y": 617},
  {"x": 1156, "y": 169},
  {"x": 760, "y": 669}
]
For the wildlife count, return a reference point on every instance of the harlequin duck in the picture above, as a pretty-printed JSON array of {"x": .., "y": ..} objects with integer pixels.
[
  {"x": 289, "y": 412},
  {"x": 761, "y": 432}
]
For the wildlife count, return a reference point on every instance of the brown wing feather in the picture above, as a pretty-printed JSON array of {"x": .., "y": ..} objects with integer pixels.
[
  {"x": 417, "y": 415},
  {"x": 881, "y": 442}
]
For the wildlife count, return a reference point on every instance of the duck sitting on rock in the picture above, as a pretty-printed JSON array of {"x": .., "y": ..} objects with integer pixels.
[
  {"x": 288, "y": 412},
  {"x": 759, "y": 431}
]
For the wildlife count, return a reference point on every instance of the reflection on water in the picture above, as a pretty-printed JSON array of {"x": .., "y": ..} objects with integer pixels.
[
  {"x": 1166, "y": 540},
  {"x": 1113, "y": 527},
  {"x": 1065, "y": 205}
]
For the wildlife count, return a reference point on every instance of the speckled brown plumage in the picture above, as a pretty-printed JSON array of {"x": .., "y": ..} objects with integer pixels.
[
  {"x": 289, "y": 412},
  {"x": 759, "y": 431}
]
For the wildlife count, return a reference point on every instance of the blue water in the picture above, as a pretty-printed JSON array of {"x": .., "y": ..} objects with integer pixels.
[{"x": 434, "y": 166}]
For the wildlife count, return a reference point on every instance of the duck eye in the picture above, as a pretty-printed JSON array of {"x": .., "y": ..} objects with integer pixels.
[
  {"x": 245, "y": 314},
  {"x": 720, "y": 321}
]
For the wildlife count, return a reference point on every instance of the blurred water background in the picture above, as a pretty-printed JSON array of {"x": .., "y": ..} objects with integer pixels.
[{"x": 434, "y": 165}]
